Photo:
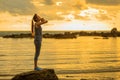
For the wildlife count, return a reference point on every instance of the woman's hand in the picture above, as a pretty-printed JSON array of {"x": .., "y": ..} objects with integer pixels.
[{"x": 43, "y": 20}]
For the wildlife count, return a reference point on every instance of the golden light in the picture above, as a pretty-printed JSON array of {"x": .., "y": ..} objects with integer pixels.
[
  {"x": 69, "y": 22},
  {"x": 59, "y": 13},
  {"x": 91, "y": 12},
  {"x": 58, "y": 3},
  {"x": 37, "y": 3},
  {"x": 77, "y": 25},
  {"x": 68, "y": 17},
  {"x": 10, "y": 22}
]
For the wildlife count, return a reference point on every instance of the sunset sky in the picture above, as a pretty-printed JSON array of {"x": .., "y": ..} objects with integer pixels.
[{"x": 16, "y": 15}]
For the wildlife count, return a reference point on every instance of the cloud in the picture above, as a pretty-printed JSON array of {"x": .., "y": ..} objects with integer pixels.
[
  {"x": 81, "y": 4},
  {"x": 60, "y": 9},
  {"x": 51, "y": 8},
  {"x": 17, "y": 6},
  {"x": 48, "y": 2},
  {"x": 104, "y": 2},
  {"x": 11, "y": 22},
  {"x": 46, "y": 8}
]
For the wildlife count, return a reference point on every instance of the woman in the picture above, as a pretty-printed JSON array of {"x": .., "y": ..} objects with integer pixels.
[{"x": 36, "y": 29}]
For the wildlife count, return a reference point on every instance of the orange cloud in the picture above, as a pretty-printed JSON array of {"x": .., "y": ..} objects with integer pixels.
[{"x": 104, "y": 2}]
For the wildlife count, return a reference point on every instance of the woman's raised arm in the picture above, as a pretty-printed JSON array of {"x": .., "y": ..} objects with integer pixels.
[{"x": 42, "y": 21}]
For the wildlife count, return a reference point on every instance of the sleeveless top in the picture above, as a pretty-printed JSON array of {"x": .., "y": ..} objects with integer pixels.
[{"x": 38, "y": 33}]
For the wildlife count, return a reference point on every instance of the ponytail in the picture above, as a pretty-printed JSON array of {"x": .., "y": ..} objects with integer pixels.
[{"x": 32, "y": 28}]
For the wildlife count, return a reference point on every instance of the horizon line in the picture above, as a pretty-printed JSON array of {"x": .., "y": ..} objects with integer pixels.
[{"x": 55, "y": 30}]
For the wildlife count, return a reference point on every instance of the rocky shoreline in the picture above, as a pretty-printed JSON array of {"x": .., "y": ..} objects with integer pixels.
[
  {"x": 70, "y": 35},
  {"x": 65, "y": 36}
]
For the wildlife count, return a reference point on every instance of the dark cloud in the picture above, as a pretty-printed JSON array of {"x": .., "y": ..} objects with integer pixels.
[
  {"x": 17, "y": 6},
  {"x": 48, "y": 2},
  {"x": 104, "y": 2},
  {"x": 81, "y": 4}
]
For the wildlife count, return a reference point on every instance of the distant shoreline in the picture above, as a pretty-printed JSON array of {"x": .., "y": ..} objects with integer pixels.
[
  {"x": 62, "y": 30},
  {"x": 65, "y": 34}
]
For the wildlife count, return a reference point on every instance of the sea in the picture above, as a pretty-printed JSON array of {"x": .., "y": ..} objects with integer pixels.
[{"x": 83, "y": 58}]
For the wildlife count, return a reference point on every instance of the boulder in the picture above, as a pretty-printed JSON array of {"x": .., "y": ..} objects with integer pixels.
[{"x": 45, "y": 74}]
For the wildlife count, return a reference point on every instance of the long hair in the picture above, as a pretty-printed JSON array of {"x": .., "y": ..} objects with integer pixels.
[
  {"x": 32, "y": 24},
  {"x": 32, "y": 27}
]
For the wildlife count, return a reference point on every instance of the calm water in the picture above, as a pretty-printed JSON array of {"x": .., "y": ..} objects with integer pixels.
[{"x": 72, "y": 59}]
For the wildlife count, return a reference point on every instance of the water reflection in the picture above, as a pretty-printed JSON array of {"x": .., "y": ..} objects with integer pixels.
[{"x": 74, "y": 56}]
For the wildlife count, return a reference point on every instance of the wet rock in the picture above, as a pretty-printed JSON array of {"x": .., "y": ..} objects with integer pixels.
[{"x": 45, "y": 74}]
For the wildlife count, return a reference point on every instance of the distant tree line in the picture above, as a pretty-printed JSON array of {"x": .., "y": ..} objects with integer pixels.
[{"x": 113, "y": 33}]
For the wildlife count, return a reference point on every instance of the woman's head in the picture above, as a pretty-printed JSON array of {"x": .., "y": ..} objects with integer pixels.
[{"x": 36, "y": 18}]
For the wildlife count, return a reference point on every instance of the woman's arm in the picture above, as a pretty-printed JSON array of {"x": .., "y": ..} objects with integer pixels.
[{"x": 42, "y": 21}]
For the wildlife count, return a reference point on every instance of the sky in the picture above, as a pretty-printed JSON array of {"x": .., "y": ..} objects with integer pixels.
[{"x": 16, "y": 15}]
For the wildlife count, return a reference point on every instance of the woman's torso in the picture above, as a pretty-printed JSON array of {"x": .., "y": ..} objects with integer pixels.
[{"x": 38, "y": 33}]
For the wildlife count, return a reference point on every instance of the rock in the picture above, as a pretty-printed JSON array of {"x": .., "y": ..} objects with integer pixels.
[
  {"x": 45, "y": 74},
  {"x": 114, "y": 32}
]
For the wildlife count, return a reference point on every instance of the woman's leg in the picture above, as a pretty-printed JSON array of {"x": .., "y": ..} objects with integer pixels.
[{"x": 37, "y": 52}]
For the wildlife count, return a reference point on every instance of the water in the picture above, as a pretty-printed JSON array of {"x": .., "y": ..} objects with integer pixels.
[{"x": 72, "y": 59}]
